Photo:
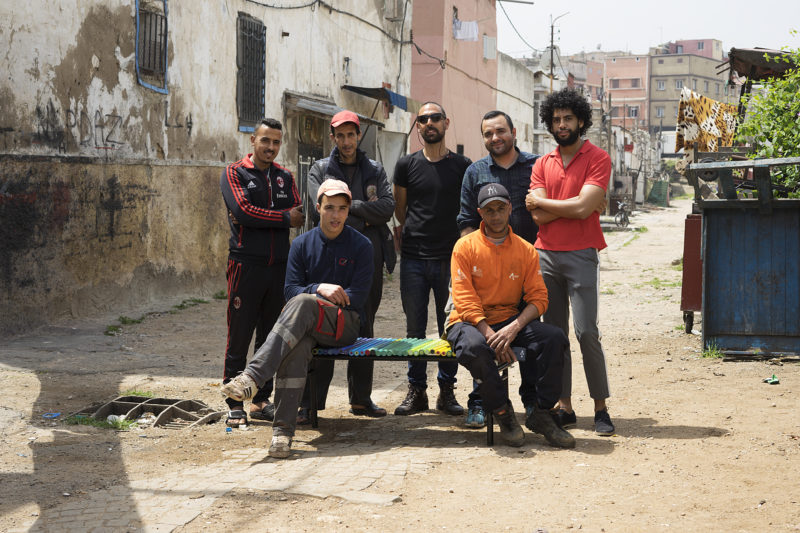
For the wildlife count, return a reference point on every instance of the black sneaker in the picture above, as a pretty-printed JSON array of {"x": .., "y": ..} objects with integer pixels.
[
  {"x": 416, "y": 401},
  {"x": 542, "y": 421},
  {"x": 564, "y": 419},
  {"x": 603, "y": 424},
  {"x": 447, "y": 401},
  {"x": 510, "y": 430}
]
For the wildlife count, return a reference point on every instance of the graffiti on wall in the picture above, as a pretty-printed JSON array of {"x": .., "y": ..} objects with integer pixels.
[
  {"x": 175, "y": 123},
  {"x": 81, "y": 128},
  {"x": 77, "y": 220},
  {"x": 97, "y": 130}
]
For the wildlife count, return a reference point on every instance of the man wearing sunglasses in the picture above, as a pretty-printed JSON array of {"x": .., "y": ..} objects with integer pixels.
[
  {"x": 372, "y": 207},
  {"x": 427, "y": 184},
  {"x": 508, "y": 165}
]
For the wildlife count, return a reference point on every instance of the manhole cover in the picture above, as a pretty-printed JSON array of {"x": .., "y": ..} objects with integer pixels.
[{"x": 168, "y": 413}]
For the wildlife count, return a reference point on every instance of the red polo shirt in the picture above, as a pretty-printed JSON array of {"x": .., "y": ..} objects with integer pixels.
[{"x": 591, "y": 165}]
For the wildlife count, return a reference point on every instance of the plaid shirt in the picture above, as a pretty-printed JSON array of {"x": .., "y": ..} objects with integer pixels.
[{"x": 516, "y": 179}]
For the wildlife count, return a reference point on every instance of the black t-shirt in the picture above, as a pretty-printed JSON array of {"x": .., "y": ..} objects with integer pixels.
[{"x": 433, "y": 192}]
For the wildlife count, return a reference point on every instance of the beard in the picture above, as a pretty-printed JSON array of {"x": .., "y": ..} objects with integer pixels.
[
  {"x": 432, "y": 136},
  {"x": 573, "y": 136},
  {"x": 500, "y": 149}
]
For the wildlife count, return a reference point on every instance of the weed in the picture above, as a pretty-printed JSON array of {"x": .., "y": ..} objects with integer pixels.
[
  {"x": 659, "y": 283},
  {"x": 680, "y": 327},
  {"x": 641, "y": 229},
  {"x": 85, "y": 420},
  {"x": 191, "y": 302},
  {"x": 125, "y": 321},
  {"x": 630, "y": 240},
  {"x": 137, "y": 392},
  {"x": 712, "y": 351},
  {"x": 113, "y": 330},
  {"x": 607, "y": 291},
  {"x": 220, "y": 295}
]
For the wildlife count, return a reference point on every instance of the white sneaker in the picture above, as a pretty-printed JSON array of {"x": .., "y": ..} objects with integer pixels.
[
  {"x": 281, "y": 447},
  {"x": 240, "y": 388}
]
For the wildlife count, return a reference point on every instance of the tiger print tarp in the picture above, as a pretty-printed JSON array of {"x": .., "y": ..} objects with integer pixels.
[{"x": 709, "y": 123}]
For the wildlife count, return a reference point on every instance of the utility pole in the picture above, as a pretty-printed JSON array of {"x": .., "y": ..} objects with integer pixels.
[
  {"x": 552, "y": 25},
  {"x": 609, "y": 122},
  {"x": 608, "y": 140}
]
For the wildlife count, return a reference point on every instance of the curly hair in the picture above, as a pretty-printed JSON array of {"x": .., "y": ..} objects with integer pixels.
[{"x": 567, "y": 99}]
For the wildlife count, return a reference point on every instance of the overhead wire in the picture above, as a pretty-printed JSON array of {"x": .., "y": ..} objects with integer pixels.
[{"x": 521, "y": 38}]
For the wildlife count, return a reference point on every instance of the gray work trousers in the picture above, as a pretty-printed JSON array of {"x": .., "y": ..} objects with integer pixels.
[
  {"x": 305, "y": 322},
  {"x": 571, "y": 278}
]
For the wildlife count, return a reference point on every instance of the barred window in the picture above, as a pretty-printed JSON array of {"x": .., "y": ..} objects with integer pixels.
[
  {"x": 151, "y": 44},
  {"x": 251, "y": 48}
]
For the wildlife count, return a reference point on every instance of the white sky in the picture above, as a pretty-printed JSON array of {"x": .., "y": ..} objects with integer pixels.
[{"x": 637, "y": 25}]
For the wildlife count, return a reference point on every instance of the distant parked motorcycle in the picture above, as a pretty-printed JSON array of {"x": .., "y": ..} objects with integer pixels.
[{"x": 621, "y": 219}]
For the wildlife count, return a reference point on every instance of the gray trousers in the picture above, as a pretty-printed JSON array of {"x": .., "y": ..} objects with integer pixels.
[
  {"x": 571, "y": 277},
  {"x": 305, "y": 322}
]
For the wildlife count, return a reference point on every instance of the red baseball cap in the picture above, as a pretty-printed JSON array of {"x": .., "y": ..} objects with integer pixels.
[
  {"x": 331, "y": 187},
  {"x": 343, "y": 117}
]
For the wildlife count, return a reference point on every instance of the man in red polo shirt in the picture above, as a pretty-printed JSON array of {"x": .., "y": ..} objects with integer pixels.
[{"x": 568, "y": 188}]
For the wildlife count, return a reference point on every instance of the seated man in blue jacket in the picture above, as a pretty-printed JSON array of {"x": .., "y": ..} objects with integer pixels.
[{"x": 328, "y": 277}]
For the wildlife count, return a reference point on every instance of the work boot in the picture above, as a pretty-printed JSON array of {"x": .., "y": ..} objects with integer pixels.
[
  {"x": 510, "y": 430},
  {"x": 416, "y": 401},
  {"x": 281, "y": 447},
  {"x": 447, "y": 400},
  {"x": 541, "y": 421}
]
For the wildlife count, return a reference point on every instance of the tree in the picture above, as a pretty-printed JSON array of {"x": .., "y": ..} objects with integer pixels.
[{"x": 771, "y": 122}]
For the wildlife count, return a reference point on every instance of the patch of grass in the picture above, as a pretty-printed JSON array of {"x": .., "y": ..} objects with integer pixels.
[
  {"x": 191, "y": 302},
  {"x": 85, "y": 420},
  {"x": 220, "y": 295},
  {"x": 113, "y": 330},
  {"x": 658, "y": 283},
  {"x": 125, "y": 320},
  {"x": 630, "y": 240},
  {"x": 712, "y": 351},
  {"x": 680, "y": 327},
  {"x": 137, "y": 392},
  {"x": 641, "y": 229},
  {"x": 607, "y": 291}
]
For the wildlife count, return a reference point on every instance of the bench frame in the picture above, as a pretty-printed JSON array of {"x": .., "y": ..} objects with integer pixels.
[{"x": 312, "y": 411}]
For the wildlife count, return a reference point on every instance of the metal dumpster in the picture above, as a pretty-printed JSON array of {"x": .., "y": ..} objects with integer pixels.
[
  {"x": 751, "y": 265},
  {"x": 751, "y": 276},
  {"x": 692, "y": 279}
]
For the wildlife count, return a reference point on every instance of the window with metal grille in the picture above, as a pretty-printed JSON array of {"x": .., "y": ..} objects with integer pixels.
[
  {"x": 151, "y": 45},
  {"x": 251, "y": 48}
]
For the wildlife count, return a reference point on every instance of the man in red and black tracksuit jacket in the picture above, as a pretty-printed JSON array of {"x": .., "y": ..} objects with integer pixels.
[{"x": 262, "y": 202}]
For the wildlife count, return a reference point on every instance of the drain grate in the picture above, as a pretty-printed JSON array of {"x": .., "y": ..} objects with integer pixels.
[{"x": 168, "y": 413}]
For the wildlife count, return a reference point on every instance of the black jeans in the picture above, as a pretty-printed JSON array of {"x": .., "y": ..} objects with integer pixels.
[{"x": 541, "y": 370}]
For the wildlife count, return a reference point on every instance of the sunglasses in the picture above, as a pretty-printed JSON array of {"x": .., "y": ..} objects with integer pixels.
[{"x": 434, "y": 117}]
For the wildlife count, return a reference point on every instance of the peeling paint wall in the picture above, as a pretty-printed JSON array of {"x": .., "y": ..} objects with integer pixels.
[{"x": 109, "y": 191}]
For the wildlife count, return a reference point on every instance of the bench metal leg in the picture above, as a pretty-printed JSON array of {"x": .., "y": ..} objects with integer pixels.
[
  {"x": 312, "y": 385},
  {"x": 490, "y": 416}
]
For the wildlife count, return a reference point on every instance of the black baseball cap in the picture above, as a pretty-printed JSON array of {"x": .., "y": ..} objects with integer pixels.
[{"x": 491, "y": 192}]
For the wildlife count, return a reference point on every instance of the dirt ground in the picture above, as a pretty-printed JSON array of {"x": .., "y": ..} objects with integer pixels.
[{"x": 701, "y": 444}]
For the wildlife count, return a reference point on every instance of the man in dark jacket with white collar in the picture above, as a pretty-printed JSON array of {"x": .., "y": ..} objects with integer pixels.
[{"x": 371, "y": 209}]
